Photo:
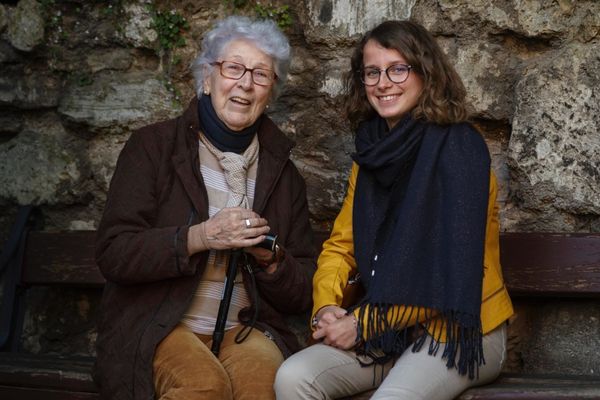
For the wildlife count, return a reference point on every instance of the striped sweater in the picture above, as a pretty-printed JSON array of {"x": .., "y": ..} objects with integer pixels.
[{"x": 201, "y": 314}]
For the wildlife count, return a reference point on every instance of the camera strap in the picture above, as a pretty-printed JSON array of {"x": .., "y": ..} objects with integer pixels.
[{"x": 243, "y": 334}]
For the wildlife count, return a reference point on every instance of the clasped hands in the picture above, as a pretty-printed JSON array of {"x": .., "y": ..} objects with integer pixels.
[{"x": 336, "y": 328}]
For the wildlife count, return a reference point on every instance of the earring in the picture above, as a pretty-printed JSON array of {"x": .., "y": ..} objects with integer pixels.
[{"x": 206, "y": 92}]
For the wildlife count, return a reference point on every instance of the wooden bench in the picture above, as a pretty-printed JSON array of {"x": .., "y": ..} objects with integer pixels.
[
  {"x": 61, "y": 259},
  {"x": 535, "y": 265}
]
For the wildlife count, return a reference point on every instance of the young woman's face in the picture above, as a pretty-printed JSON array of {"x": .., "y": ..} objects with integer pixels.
[
  {"x": 239, "y": 103},
  {"x": 391, "y": 100}
]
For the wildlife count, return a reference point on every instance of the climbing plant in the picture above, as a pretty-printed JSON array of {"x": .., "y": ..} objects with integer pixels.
[{"x": 170, "y": 26}]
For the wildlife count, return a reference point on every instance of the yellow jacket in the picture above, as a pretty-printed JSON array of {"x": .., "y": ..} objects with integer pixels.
[{"x": 336, "y": 264}]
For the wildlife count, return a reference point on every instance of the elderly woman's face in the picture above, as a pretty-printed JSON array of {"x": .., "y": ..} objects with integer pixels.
[{"x": 239, "y": 103}]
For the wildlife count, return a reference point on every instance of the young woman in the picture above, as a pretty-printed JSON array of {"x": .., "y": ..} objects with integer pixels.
[{"x": 419, "y": 224}]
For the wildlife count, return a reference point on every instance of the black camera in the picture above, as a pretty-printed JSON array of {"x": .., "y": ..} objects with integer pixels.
[{"x": 270, "y": 243}]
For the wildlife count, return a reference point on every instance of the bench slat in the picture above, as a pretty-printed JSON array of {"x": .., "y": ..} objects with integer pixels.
[
  {"x": 27, "y": 393},
  {"x": 48, "y": 372},
  {"x": 61, "y": 258},
  {"x": 527, "y": 387},
  {"x": 532, "y": 387},
  {"x": 551, "y": 264},
  {"x": 534, "y": 264}
]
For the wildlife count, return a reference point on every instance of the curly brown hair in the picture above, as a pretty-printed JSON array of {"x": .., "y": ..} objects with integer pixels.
[{"x": 443, "y": 97}]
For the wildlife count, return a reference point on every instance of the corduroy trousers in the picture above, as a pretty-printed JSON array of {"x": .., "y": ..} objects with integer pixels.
[{"x": 186, "y": 369}]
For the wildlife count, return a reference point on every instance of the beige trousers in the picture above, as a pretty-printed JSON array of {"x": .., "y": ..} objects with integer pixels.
[
  {"x": 324, "y": 372},
  {"x": 186, "y": 369}
]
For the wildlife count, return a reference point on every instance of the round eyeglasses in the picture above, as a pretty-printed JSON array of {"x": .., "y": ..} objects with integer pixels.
[
  {"x": 396, "y": 73},
  {"x": 233, "y": 70}
]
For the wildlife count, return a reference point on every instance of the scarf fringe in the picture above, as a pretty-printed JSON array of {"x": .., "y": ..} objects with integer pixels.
[{"x": 385, "y": 341}]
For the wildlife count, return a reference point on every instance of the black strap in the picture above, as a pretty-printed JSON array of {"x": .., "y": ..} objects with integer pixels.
[
  {"x": 10, "y": 267},
  {"x": 245, "y": 331},
  {"x": 12, "y": 243}
]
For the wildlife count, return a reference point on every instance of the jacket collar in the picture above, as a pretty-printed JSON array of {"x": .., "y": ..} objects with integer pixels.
[{"x": 274, "y": 152}]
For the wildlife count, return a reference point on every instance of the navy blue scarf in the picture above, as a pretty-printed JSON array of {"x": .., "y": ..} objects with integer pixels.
[
  {"x": 219, "y": 134},
  {"x": 419, "y": 220}
]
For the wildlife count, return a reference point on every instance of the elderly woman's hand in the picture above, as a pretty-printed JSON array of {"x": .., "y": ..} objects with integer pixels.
[{"x": 233, "y": 227}]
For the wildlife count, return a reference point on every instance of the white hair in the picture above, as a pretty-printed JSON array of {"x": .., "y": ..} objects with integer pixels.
[{"x": 263, "y": 33}]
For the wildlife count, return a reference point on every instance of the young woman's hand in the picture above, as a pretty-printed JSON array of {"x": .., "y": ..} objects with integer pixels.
[
  {"x": 337, "y": 330},
  {"x": 328, "y": 314}
]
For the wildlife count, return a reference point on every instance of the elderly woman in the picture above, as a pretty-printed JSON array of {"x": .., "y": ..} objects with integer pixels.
[{"x": 184, "y": 193}]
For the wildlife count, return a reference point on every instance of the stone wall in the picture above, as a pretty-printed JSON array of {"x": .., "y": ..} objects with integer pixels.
[{"x": 76, "y": 77}]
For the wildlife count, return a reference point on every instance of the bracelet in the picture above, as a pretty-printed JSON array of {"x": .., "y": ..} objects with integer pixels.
[
  {"x": 358, "y": 339},
  {"x": 354, "y": 321}
]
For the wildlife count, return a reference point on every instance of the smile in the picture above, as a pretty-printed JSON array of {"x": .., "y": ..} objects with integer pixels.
[
  {"x": 239, "y": 100},
  {"x": 389, "y": 97}
]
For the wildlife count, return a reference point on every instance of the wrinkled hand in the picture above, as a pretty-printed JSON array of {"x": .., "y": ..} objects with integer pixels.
[
  {"x": 227, "y": 229},
  {"x": 336, "y": 328}
]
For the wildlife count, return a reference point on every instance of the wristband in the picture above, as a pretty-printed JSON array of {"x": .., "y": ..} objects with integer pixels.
[{"x": 277, "y": 256}]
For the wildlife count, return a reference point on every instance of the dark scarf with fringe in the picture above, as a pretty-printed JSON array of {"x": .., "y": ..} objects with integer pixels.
[
  {"x": 419, "y": 220},
  {"x": 219, "y": 134}
]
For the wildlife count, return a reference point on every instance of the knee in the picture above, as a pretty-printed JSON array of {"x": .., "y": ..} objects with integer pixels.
[
  {"x": 210, "y": 382},
  {"x": 216, "y": 384},
  {"x": 293, "y": 379},
  {"x": 285, "y": 378},
  {"x": 223, "y": 392}
]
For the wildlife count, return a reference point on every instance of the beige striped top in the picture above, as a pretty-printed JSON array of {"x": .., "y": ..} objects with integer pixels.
[{"x": 201, "y": 314}]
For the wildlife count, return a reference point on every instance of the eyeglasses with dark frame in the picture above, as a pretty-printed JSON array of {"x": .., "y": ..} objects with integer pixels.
[
  {"x": 234, "y": 70},
  {"x": 397, "y": 73}
]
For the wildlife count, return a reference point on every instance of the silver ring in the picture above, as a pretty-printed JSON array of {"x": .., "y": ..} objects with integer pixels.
[{"x": 248, "y": 224}]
